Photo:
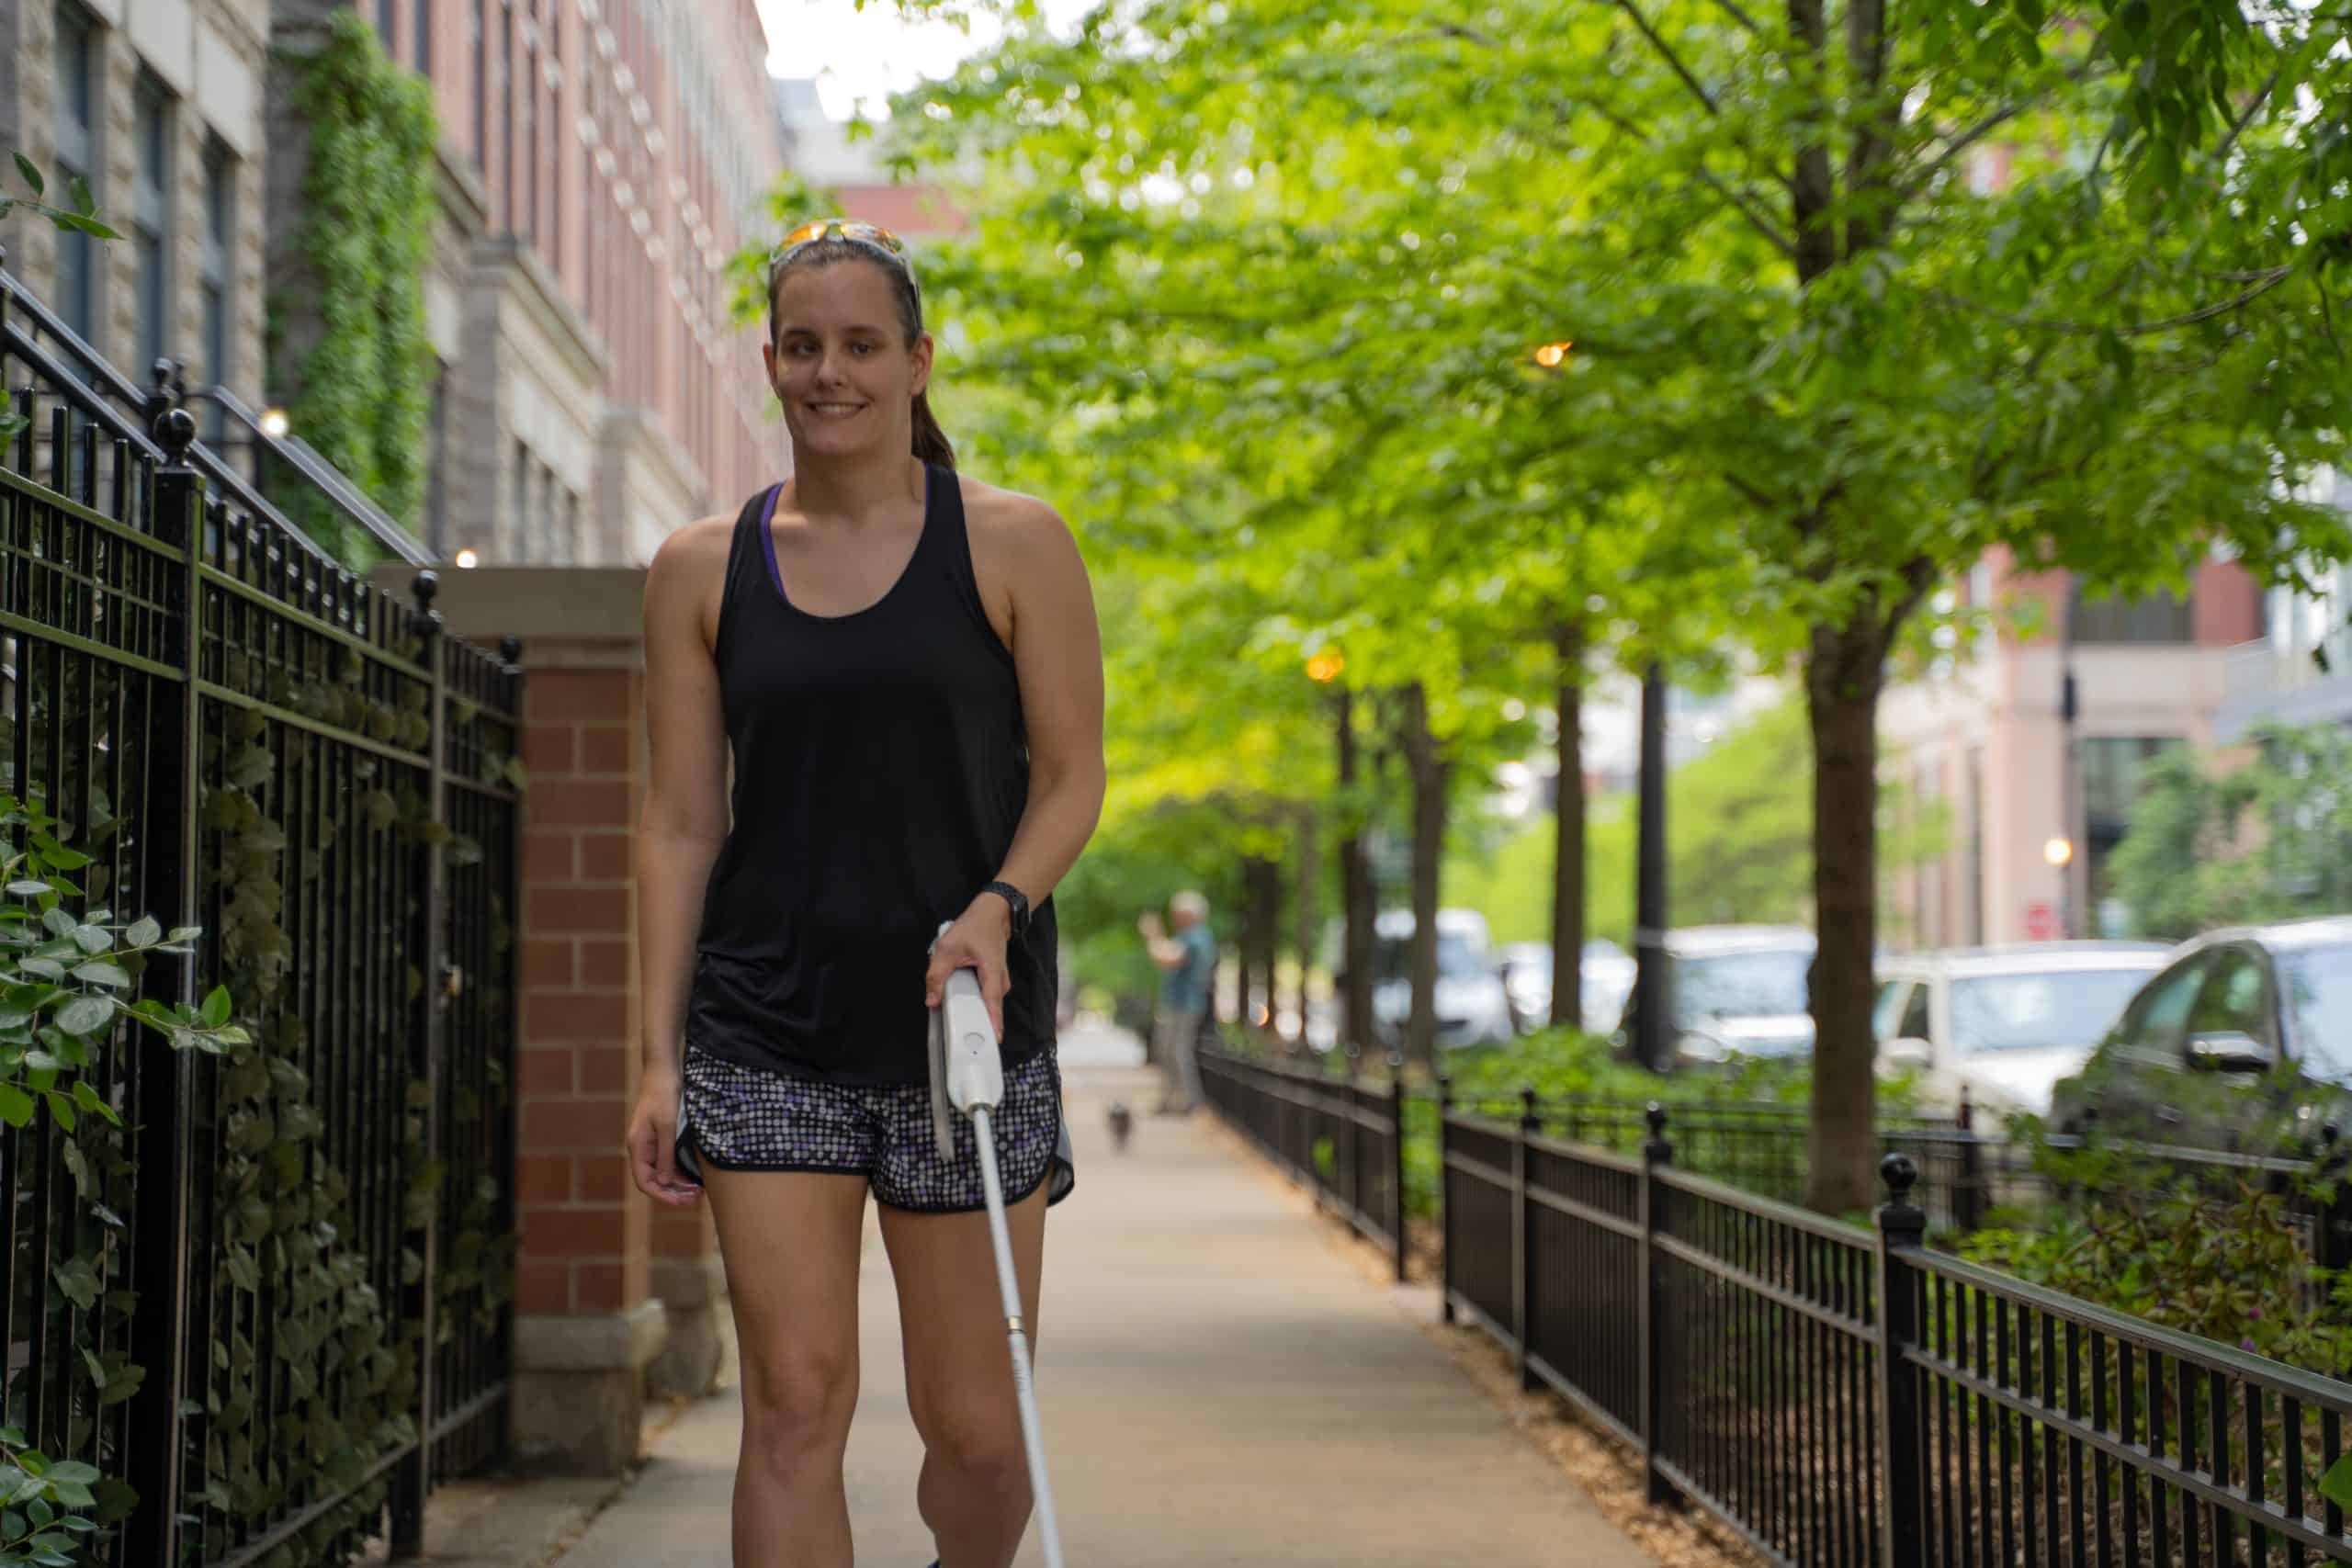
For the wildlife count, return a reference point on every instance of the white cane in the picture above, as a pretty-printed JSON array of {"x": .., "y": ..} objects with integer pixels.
[{"x": 968, "y": 1074}]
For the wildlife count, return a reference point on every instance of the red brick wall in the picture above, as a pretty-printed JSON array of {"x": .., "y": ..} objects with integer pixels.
[
  {"x": 586, "y": 1228},
  {"x": 2227, "y": 606}
]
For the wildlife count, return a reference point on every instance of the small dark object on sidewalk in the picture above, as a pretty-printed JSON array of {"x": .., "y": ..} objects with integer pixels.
[{"x": 1123, "y": 1125}]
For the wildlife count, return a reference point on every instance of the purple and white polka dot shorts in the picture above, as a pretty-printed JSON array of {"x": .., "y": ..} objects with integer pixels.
[{"x": 739, "y": 1118}]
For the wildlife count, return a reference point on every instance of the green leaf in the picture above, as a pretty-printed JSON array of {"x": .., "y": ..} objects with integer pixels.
[
  {"x": 83, "y": 202},
  {"x": 79, "y": 1283},
  {"x": 2337, "y": 1485},
  {"x": 98, "y": 972},
  {"x": 73, "y": 1470},
  {"x": 145, "y": 933},
  {"x": 14, "y": 1437},
  {"x": 58, "y": 922},
  {"x": 92, "y": 939},
  {"x": 84, "y": 1015},
  {"x": 63, "y": 1108},
  {"x": 216, "y": 1007},
  {"x": 16, "y": 1105},
  {"x": 31, "y": 175},
  {"x": 28, "y": 889},
  {"x": 184, "y": 933}
]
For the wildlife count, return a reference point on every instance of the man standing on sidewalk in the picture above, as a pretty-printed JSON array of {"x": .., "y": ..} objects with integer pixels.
[{"x": 1189, "y": 963}]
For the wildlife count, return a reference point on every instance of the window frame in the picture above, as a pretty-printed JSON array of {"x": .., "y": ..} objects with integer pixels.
[
  {"x": 153, "y": 201},
  {"x": 78, "y": 147}
]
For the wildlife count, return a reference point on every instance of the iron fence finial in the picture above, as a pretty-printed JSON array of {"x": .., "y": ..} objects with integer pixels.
[
  {"x": 1655, "y": 1116},
  {"x": 510, "y": 648},
  {"x": 1900, "y": 1173},
  {"x": 174, "y": 431}
]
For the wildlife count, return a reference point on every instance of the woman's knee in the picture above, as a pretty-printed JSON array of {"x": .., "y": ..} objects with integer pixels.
[
  {"x": 974, "y": 1438},
  {"x": 797, "y": 1407}
]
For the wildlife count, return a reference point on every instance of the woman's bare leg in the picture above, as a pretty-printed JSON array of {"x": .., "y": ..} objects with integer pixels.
[
  {"x": 974, "y": 1493},
  {"x": 790, "y": 1242}
]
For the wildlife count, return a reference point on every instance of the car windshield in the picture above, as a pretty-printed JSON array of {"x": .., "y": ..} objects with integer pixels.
[
  {"x": 2318, "y": 986},
  {"x": 2035, "y": 1009},
  {"x": 1740, "y": 984},
  {"x": 1458, "y": 958}
]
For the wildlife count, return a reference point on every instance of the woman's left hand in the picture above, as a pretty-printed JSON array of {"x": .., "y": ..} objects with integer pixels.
[{"x": 977, "y": 940}]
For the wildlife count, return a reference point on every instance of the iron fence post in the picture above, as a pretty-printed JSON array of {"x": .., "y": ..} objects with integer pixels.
[
  {"x": 1396, "y": 1159},
  {"x": 1656, "y": 1155},
  {"x": 1968, "y": 1202},
  {"x": 1444, "y": 1205},
  {"x": 1902, "y": 1228},
  {"x": 413, "y": 1477},
  {"x": 1522, "y": 1250},
  {"x": 166, "y": 1081}
]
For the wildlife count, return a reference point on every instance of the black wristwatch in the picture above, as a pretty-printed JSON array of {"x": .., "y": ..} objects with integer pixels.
[{"x": 1019, "y": 902}]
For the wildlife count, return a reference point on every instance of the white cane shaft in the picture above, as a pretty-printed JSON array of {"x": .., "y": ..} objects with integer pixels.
[{"x": 1049, "y": 1535}]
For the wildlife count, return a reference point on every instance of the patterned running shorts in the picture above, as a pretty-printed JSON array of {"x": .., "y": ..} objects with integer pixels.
[{"x": 741, "y": 1118}]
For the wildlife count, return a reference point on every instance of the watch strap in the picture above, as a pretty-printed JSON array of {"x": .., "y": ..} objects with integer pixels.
[{"x": 1017, "y": 900}]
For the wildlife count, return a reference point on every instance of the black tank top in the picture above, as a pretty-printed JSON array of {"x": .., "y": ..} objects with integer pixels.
[{"x": 881, "y": 767}]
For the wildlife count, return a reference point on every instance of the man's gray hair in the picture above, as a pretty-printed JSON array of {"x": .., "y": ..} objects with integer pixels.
[{"x": 1189, "y": 903}]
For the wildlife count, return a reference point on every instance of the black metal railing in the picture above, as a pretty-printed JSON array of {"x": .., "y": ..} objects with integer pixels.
[
  {"x": 1341, "y": 1137},
  {"x": 309, "y": 1258},
  {"x": 1840, "y": 1396}
]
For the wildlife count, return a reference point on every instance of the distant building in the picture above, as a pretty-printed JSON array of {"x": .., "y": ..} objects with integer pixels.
[
  {"x": 857, "y": 171},
  {"x": 2300, "y": 670},
  {"x": 1986, "y": 741},
  {"x": 600, "y": 160},
  {"x": 158, "y": 105}
]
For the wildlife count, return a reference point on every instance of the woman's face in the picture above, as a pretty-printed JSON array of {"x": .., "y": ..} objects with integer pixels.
[{"x": 840, "y": 363}]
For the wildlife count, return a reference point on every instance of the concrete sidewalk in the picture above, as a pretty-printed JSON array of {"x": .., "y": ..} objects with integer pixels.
[{"x": 1218, "y": 1386}]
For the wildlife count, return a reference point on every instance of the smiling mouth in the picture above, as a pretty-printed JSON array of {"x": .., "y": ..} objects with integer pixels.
[{"x": 835, "y": 411}]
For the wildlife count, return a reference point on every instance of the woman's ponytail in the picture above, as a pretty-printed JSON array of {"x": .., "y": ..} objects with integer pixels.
[{"x": 930, "y": 442}]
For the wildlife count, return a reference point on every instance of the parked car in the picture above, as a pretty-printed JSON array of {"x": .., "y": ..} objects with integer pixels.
[
  {"x": 2004, "y": 1023},
  {"x": 1527, "y": 978},
  {"x": 1737, "y": 991},
  {"x": 2243, "y": 1040},
  {"x": 1473, "y": 1009}
]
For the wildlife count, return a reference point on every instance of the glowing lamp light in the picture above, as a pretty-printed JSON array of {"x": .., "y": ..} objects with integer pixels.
[
  {"x": 273, "y": 423},
  {"x": 467, "y": 560},
  {"x": 1325, "y": 668},
  {"x": 1551, "y": 354},
  {"x": 2058, "y": 851}
]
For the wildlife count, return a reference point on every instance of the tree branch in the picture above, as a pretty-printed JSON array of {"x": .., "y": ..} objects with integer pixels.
[
  {"x": 1666, "y": 52},
  {"x": 2265, "y": 282}
]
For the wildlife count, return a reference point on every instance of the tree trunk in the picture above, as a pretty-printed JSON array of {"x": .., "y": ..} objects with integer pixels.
[
  {"x": 1355, "y": 898},
  {"x": 1567, "y": 856},
  {"x": 1245, "y": 949},
  {"x": 1265, "y": 930},
  {"x": 1311, "y": 876},
  {"x": 1429, "y": 776},
  {"x": 1845, "y": 669}
]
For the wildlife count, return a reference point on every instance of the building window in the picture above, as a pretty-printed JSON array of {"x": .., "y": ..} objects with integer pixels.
[
  {"x": 2113, "y": 768},
  {"x": 558, "y": 141},
  {"x": 77, "y": 158},
  {"x": 528, "y": 102},
  {"x": 387, "y": 19},
  {"x": 478, "y": 22},
  {"x": 220, "y": 270},
  {"x": 502, "y": 93},
  {"x": 151, "y": 215},
  {"x": 436, "y": 487},
  {"x": 521, "y": 527},
  {"x": 420, "y": 28},
  {"x": 2158, "y": 618}
]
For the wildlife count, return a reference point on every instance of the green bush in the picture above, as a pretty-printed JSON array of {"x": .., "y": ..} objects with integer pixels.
[{"x": 65, "y": 984}]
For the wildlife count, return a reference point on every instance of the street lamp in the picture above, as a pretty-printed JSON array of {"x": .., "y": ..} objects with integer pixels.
[
  {"x": 1552, "y": 354},
  {"x": 274, "y": 423},
  {"x": 1324, "y": 668},
  {"x": 2059, "y": 853},
  {"x": 467, "y": 560}
]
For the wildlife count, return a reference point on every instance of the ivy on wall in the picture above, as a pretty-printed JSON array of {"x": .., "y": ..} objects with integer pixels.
[{"x": 361, "y": 390}]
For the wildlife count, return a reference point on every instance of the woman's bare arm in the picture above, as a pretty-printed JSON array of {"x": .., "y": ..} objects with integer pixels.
[{"x": 680, "y": 825}]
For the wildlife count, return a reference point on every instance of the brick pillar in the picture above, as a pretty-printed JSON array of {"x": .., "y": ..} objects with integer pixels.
[{"x": 612, "y": 1297}]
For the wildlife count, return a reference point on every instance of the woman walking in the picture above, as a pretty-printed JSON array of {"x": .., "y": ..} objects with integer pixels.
[{"x": 904, "y": 665}]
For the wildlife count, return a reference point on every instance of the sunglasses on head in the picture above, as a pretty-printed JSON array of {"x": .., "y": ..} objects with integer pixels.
[{"x": 824, "y": 229}]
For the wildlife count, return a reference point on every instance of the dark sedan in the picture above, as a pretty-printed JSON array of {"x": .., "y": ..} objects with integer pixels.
[{"x": 2242, "y": 1041}]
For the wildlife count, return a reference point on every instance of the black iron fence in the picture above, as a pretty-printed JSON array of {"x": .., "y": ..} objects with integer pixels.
[
  {"x": 1341, "y": 1137},
  {"x": 291, "y": 1306},
  {"x": 1839, "y": 1395}
]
